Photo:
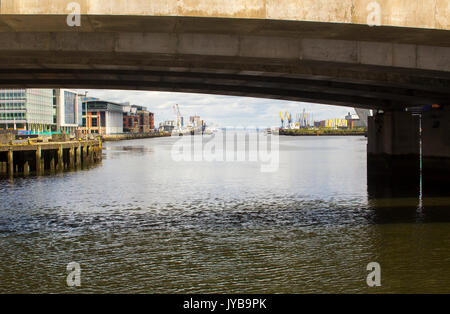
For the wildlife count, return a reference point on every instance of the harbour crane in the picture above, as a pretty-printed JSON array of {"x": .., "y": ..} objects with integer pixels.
[
  {"x": 282, "y": 120},
  {"x": 289, "y": 119}
]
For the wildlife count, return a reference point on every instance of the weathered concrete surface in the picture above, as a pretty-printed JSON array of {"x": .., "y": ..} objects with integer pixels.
[
  {"x": 436, "y": 133},
  {"x": 393, "y": 134},
  {"x": 405, "y": 13},
  {"x": 393, "y": 155},
  {"x": 436, "y": 151}
]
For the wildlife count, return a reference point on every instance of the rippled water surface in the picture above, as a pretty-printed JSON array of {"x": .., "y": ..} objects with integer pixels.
[{"x": 142, "y": 223}]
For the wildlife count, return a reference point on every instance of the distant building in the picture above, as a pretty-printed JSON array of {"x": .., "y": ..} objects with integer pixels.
[
  {"x": 363, "y": 115},
  {"x": 195, "y": 121},
  {"x": 103, "y": 117},
  {"x": 353, "y": 121},
  {"x": 144, "y": 121},
  {"x": 130, "y": 119},
  {"x": 167, "y": 126},
  {"x": 137, "y": 119},
  {"x": 333, "y": 123}
]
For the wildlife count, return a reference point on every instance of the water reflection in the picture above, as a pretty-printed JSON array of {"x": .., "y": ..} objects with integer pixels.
[
  {"x": 398, "y": 193},
  {"x": 142, "y": 223}
]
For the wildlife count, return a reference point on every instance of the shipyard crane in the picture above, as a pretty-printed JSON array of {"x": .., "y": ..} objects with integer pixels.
[
  {"x": 176, "y": 111},
  {"x": 282, "y": 120},
  {"x": 289, "y": 119}
]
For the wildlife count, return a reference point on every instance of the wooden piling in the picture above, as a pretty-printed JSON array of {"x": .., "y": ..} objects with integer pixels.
[
  {"x": 52, "y": 162},
  {"x": 60, "y": 158},
  {"x": 71, "y": 157},
  {"x": 38, "y": 161},
  {"x": 40, "y": 157},
  {"x": 78, "y": 156},
  {"x": 26, "y": 168},
  {"x": 85, "y": 155},
  {"x": 10, "y": 163}
]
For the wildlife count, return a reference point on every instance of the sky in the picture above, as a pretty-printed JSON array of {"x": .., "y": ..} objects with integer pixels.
[{"x": 219, "y": 110}]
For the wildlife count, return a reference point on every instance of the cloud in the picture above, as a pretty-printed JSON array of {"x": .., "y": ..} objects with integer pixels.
[{"x": 217, "y": 109}]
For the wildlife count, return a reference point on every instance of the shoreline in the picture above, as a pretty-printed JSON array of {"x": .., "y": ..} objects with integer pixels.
[
  {"x": 130, "y": 136},
  {"x": 322, "y": 133}
]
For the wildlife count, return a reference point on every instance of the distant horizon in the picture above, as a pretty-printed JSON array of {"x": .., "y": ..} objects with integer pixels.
[{"x": 218, "y": 110}]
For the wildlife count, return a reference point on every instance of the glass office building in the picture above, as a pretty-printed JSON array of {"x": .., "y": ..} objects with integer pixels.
[
  {"x": 27, "y": 109},
  {"x": 68, "y": 110}
]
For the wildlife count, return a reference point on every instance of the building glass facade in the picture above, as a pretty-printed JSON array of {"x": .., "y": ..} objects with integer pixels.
[
  {"x": 70, "y": 102},
  {"x": 27, "y": 109}
]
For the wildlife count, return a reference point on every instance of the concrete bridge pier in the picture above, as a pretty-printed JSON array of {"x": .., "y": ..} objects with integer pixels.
[
  {"x": 393, "y": 155},
  {"x": 436, "y": 150}
]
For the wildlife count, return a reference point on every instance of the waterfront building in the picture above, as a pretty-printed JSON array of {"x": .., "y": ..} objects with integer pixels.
[
  {"x": 137, "y": 119},
  {"x": 363, "y": 115},
  {"x": 130, "y": 119},
  {"x": 353, "y": 121},
  {"x": 102, "y": 117},
  {"x": 28, "y": 109},
  {"x": 69, "y": 112},
  {"x": 144, "y": 121},
  {"x": 333, "y": 123},
  {"x": 167, "y": 126}
]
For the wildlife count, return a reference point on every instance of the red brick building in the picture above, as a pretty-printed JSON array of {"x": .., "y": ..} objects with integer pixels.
[
  {"x": 131, "y": 123},
  {"x": 137, "y": 119}
]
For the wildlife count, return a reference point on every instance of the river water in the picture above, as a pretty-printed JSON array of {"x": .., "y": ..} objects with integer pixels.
[{"x": 141, "y": 222}]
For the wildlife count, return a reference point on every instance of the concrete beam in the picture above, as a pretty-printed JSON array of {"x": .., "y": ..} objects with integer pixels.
[
  {"x": 412, "y": 13},
  {"x": 393, "y": 134},
  {"x": 375, "y": 67}
]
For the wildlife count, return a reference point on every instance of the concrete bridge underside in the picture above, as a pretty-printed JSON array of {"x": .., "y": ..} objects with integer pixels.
[
  {"x": 182, "y": 54},
  {"x": 317, "y": 51}
]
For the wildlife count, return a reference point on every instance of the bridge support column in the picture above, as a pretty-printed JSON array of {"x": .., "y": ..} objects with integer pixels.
[
  {"x": 393, "y": 155},
  {"x": 436, "y": 150}
]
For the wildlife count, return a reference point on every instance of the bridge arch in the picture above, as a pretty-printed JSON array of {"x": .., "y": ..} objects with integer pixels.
[{"x": 316, "y": 51}]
